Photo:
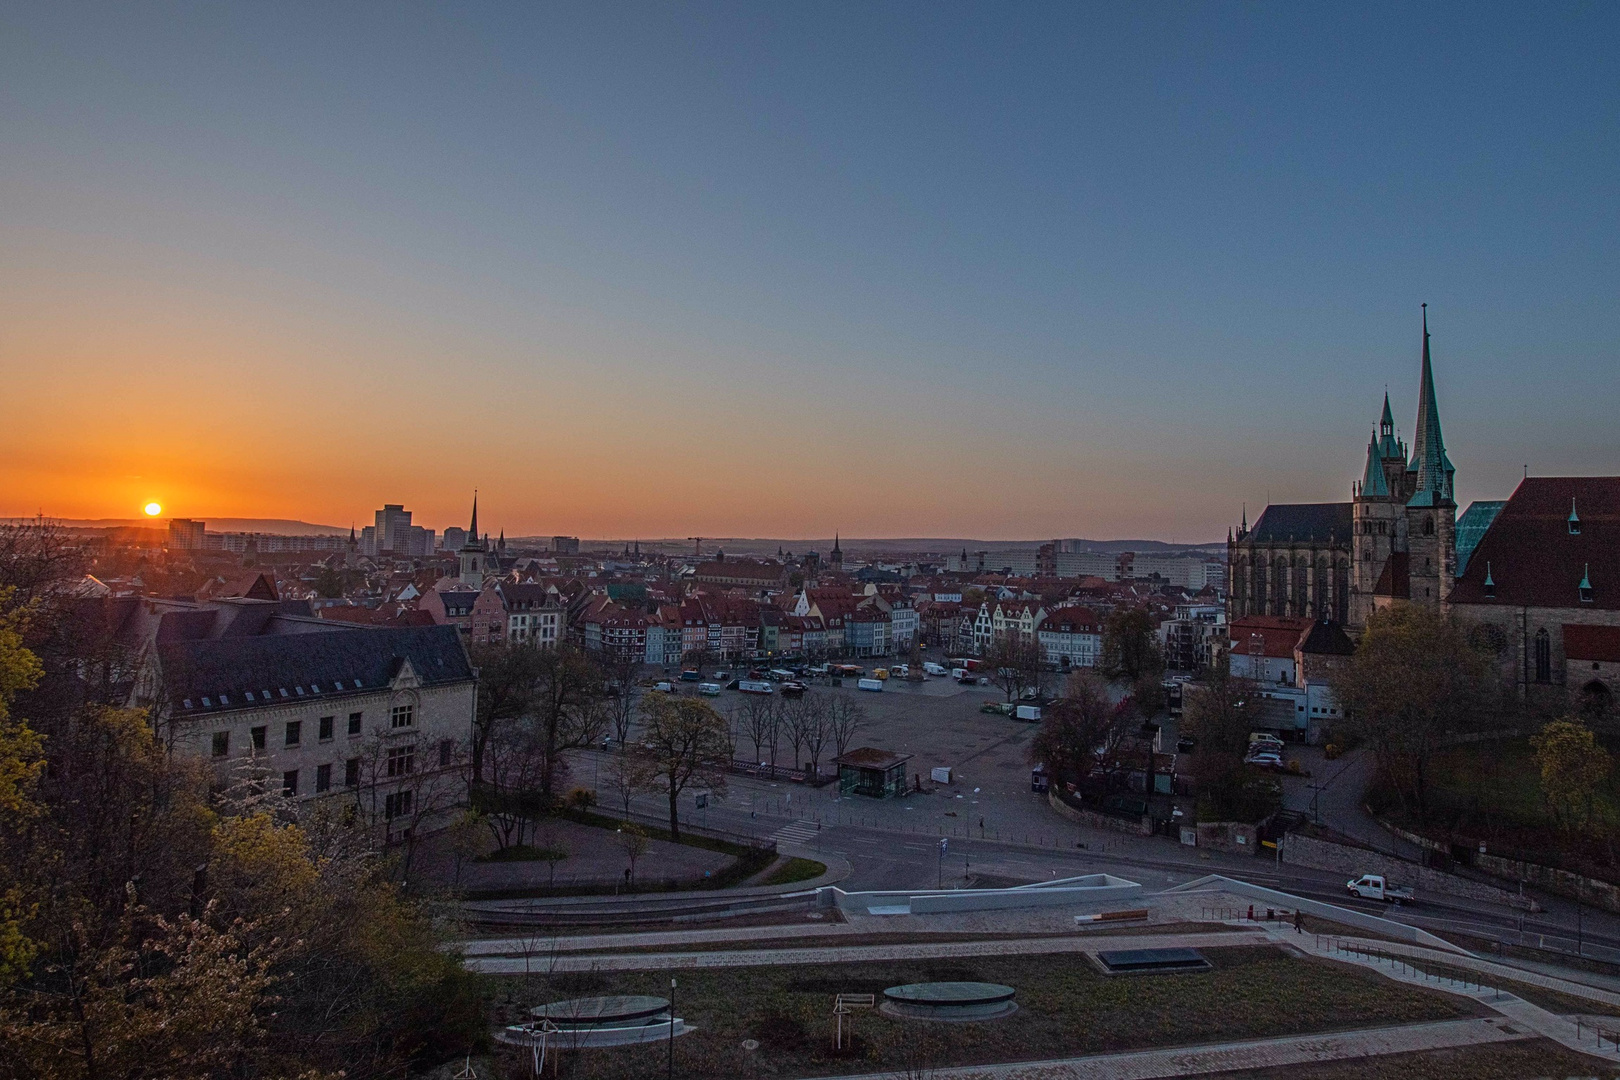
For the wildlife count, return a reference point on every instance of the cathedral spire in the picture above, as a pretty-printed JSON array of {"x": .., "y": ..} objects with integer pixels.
[
  {"x": 1429, "y": 461},
  {"x": 1386, "y": 424},
  {"x": 472, "y": 530}
]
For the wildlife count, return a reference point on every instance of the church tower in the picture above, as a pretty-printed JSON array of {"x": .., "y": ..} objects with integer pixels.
[
  {"x": 1378, "y": 503},
  {"x": 471, "y": 554},
  {"x": 1431, "y": 511}
]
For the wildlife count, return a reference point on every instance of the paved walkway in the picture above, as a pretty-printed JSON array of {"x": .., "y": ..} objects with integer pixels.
[
  {"x": 856, "y": 954},
  {"x": 1394, "y": 961},
  {"x": 1251, "y": 1054},
  {"x": 510, "y": 946}
]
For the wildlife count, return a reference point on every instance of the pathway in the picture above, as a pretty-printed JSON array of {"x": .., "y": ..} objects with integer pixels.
[{"x": 1250, "y": 1054}]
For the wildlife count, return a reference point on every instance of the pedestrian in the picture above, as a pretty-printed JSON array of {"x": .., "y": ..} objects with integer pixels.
[{"x": 1299, "y": 921}]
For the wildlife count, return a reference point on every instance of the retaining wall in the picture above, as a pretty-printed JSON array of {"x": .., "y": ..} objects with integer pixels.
[
  {"x": 1600, "y": 894},
  {"x": 1318, "y": 854},
  {"x": 1358, "y": 919},
  {"x": 1234, "y": 836},
  {"x": 1142, "y": 826}
]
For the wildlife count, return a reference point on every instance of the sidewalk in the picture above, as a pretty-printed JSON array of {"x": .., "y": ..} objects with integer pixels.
[
  {"x": 1251, "y": 1054},
  {"x": 1392, "y": 960}
]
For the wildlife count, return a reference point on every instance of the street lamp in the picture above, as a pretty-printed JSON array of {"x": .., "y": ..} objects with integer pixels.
[{"x": 671, "y": 1070}]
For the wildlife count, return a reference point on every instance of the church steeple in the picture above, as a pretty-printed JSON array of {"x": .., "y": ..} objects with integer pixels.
[
  {"x": 1386, "y": 424},
  {"x": 1429, "y": 461}
]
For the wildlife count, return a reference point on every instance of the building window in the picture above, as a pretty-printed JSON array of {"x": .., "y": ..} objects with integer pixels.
[
  {"x": 1543, "y": 656},
  {"x": 258, "y": 735},
  {"x": 397, "y": 805},
  {"x": 222, "y": 744},
  {"x": 351, "y": 772},
  {"x": 1428, "y": 526},
  {"x": 447, "y": 753},
  {"x": 401, "y": 760},
  {"x": 326, "y": 728},
  {"x": 402, "y": 716},
  {"x": 289, "y": 783},
  {"x": 295, "y": 732},
  {"x": 354, "y": 723}
]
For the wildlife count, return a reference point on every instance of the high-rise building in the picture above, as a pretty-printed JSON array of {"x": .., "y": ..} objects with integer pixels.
[
  {"x": 186, "y": 534},
  {"x": 454, "y": 538},
  {"x": 393, "y": 528},
  {"x": 565, "y": 545}
]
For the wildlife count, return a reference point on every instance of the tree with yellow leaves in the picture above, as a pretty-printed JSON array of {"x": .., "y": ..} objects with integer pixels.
[{"x": 1573, "y": 768}]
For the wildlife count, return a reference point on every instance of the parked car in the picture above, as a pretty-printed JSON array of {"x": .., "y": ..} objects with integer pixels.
[
  {"x": 689, "y": 675},
  {"x": 664, "y": 687},
  {"x": 793, "y": 689},
  {"x": 1264, "y": 758},
  {"x": 1376, "y": 887}
]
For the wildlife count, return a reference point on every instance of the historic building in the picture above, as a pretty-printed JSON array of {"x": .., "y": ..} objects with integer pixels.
[
  {"x": 1394, "y": 540},
  {"x": 1542, "y": 591}
]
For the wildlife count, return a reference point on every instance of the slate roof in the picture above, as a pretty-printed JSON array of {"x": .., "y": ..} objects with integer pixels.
[
  {"x": 1283, "y": 523},
  {"x": 220, "y": 674},
  {"x": 1395, "y": 579},
  {"x": 1326, "y": 638},
  {"x": 1532, "y": 558},
  {"x": 1471, "y": 528}
]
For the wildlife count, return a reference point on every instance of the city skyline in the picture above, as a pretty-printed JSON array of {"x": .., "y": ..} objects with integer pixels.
[{"x": 1042, "y": 272}]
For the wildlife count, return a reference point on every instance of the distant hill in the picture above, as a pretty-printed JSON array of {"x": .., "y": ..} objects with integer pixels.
[{"x": 273, "y": 526}]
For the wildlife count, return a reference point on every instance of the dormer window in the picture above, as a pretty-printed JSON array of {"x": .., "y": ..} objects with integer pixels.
[
  {"x": 1574, "y": 520},
  {"x": 1586, "y": 584}
]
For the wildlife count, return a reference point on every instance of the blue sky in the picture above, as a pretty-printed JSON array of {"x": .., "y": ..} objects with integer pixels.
[{"x": 995, "y": 270}]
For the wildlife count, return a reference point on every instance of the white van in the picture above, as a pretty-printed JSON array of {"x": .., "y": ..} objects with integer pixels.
[
  {"x": 754, "y": 686},
  {"x": 932, "y": 668},
  {"x": 709, "y": 689},
  {"x": 870, "y": 684}
]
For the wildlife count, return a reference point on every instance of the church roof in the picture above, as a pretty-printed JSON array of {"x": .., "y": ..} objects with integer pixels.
[
  {"x": 1533, "y": 558},
  {"x": 1373, "y": 482},
  {"x": 1395, "y": 580},
  {"x": 1326, "y": 638},
  {"x": 1471, "y": 528},
  {"x": 1429, "y": 461},
  {"x": 1284, "y": 523}
]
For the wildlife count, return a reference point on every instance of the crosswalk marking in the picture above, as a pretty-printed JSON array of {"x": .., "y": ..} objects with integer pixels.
[{"x": 797, "y": 832}]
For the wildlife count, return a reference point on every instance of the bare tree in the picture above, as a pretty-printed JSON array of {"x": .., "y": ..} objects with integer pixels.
[
  {"x": 632, "y": 839},
  {"x": 514, "y": 761},
  {"x": 619, "y": 675},
  {"x": 567, "y": 710},
  {"x": 1014, "y": 662},
  {"x": 758, "y": 717},
  {"x": 795, "y": 721},
  {"x": 817, "y": 729},
  {"x": 631, "y": 774},
  {"x": 845, "y": 719}
]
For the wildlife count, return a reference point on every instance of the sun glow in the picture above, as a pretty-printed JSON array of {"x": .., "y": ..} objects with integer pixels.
[{"x": 152, "y": 509}]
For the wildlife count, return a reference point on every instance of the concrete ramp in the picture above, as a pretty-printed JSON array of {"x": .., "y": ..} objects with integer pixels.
[{"x": 1086, "y": 889}]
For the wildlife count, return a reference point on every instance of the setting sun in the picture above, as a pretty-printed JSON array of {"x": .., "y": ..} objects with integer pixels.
[{"x": 152, "y": 509}]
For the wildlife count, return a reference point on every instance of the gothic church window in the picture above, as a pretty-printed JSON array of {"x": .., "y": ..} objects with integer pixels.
[
  {"x": 1428, "y": 526},
  {"x": 1543, "y": 656}
]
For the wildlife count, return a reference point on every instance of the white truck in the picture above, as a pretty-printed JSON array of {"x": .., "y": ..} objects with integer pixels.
[
  {"x": 875, "y": 685},
  {"x": 1375, "y": 887},
  {"x": 1029, "y": 713}
]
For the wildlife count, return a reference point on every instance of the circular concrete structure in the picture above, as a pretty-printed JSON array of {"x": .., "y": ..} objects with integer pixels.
[
  {"x": 603, "y": 1011},
  {"x": 580, "y": 1023},
  {"x": 950, "y": 1001}
]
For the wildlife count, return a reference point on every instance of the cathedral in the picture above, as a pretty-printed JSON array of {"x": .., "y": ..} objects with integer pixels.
[{"x": 1396, "y": 539}]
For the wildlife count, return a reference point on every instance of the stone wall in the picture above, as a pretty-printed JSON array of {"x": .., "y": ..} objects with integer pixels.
[
  {"x": 1601, "y": 894},
  {"x": 1234, "y": 836},
  {"x": 1316, "y": 853},
  {"x": 1142, "y": 826}
]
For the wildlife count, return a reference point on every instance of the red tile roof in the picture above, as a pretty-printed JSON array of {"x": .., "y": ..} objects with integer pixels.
[
  {"x": 1276, "y": 634},
  {"x": 1592, "y": 642}
]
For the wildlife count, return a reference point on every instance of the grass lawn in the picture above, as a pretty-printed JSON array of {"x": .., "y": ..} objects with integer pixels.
[
  {"x": 1491, "y": 791},
  {"x": 1498, "y": 1061},
  {"x": 1065, "y": 1007},
  {"x": 795, "y": 869}
]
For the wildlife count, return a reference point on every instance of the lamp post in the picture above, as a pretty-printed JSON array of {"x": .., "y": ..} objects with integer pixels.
[{"x": 671, "y": 1070}]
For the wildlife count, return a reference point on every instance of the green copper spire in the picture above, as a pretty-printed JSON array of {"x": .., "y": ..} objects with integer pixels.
[{"x": 1429, "y": 459}]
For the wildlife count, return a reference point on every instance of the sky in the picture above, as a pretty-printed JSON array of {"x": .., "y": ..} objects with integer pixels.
[{"x": 992, "y": 270}]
